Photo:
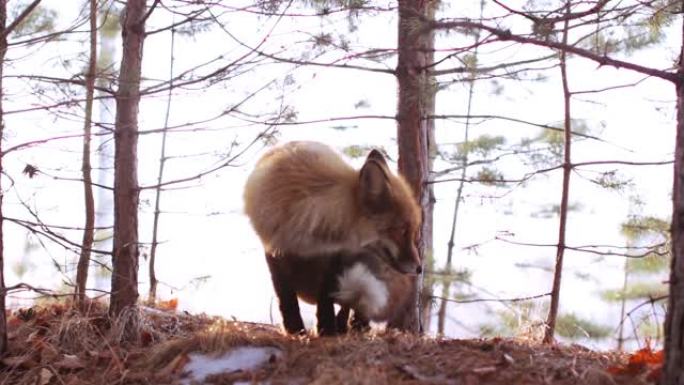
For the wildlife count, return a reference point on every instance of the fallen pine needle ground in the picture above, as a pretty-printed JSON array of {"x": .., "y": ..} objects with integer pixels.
[{"x": 58, "y": 344}]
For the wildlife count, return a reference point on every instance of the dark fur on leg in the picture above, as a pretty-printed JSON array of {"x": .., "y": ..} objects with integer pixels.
[
  {"x": 325, "y": 313},
  {"x": 287, "y": 298},
  {"x": 342, "y": 320},
  {"x": 325, "y": 309}
]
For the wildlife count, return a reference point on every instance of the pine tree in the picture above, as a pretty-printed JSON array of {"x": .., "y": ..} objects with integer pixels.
[{"x": 126, "y": 189}]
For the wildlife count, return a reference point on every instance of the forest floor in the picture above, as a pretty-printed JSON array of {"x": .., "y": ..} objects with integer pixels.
[{"x": 56, "y": 344}]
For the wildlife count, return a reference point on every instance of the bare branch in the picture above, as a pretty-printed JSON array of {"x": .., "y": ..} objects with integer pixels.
[
  {"x": 477, "y": 300},
  {"x": 301, "y": 62},
  {"x": 569, "y": 16},
  {"x": 482, "y": 70},
  {"x": 590, "y": 248},
  {"x": 149, "y": 11}
]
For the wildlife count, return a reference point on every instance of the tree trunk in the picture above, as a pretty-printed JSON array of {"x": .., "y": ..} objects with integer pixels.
[
  {"x": 430, "y": 88},
  {"x": 86, "y": 168},
  {"x": 567, "y": 168},
  {"x": 412, "y": 127},
  {"x": 108, "y": 32},
  {"x": 623, "y": 305},
  {"x": 673, "y": 370},
  {"x": 3, "y": 294},
  {"x": 446, "y": 283},
  {"x": 126, "y": 189}
]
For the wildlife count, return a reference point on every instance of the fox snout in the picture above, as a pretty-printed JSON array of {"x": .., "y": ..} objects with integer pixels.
[
  {"x": 409, "y": 267},
  {"x": 409, "y": 262}
]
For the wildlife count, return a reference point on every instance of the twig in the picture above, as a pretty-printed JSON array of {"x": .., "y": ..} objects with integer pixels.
[{"x": 476, "y": 300}]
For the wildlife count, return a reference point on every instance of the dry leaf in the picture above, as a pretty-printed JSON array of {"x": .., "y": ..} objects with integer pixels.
[
  {"x": 74, "y": 380},
  {"x": 171, "y": 304},
  {"x": 146, "y": 338},
  {"x": 25, "y": 361},
  {"x": 175, "y": 366},
  {"x": 44, "y": 377},
  {"x": 640, "y": 361},
  {"x": 30, "y": 170},
  {"x": 33, "y": 336},
  {"x": 48, "y": 352},
  {"x": 14, "y": 322},
  {"x": 484, "y": 370},
  {"x": 655, "y": 373},
  {"x": 508, "y": 359},
  {"x": 69, "y": 362}
]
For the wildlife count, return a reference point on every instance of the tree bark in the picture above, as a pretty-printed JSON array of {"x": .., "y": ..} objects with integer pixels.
[
  {"x": 108, "y": 33},
  {"x": 3, "y": 293},
  {"x": 126, "y": 189},
  {"x": 567, "y": 168},
  {"x": 623, "y": 305},
  {"x": 430, "y": 87},
  {"x": 673, "y": 370},
  {"x": 412, "y": 127},
  {"x": 86, "y": 167}
]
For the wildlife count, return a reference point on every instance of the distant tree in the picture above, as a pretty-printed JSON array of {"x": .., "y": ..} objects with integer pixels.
[
  {"x": 3, "y": 293},
  {"x": 126, "y": 189},
  {"x": 109, "y": 31},
  {"x": 647, "y": 240},
  {"x": 551, "y": 23},
  {"x": 86, "y": 168},
  {"x": 565, "y": 191},
  {"x": 5, "y": 30},
  {"x": 524, "y": 319},
  {"x": 462, "y": 159},
  {"x": 152, "y": 294}
]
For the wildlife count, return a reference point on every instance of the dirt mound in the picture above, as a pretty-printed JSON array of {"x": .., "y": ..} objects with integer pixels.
[{"x": 56, "y": 344}]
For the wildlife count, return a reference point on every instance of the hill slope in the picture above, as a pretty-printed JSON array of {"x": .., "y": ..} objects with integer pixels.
[{"x": 55, "y": 344}]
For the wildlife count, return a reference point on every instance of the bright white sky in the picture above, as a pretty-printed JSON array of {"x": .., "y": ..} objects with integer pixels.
[{"x": 205, "y": 233}]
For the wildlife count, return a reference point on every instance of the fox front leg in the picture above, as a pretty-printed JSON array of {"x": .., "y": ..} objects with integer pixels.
[
  {"x": 360, "y": 323},
  {"x": 325, "y": 314},
  {"x": 342, "y": 319},
  {"x": 287, "y": 297},
  {"x": 327, "y": 323}
]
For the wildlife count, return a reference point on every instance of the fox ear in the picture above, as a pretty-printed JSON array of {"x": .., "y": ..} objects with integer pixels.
[
  {"x": 377, "y": 156},
  {"x": 374, "y": 187}
]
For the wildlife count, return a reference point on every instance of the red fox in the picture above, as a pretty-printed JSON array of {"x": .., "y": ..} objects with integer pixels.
[{"x": 305, "y": 202}]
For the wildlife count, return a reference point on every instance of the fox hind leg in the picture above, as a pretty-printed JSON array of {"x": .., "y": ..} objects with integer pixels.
[
  {"x": 327, "y": 323},
  {"x": 287, "y": 297}
]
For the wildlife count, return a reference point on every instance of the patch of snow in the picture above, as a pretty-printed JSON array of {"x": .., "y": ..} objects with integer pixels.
[{"x": 238, "y": 359}]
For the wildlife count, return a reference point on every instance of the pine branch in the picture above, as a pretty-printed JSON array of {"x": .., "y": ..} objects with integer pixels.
[
  {"x": 22, "y": 16},
  {"x": 602, "y": 60}
]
